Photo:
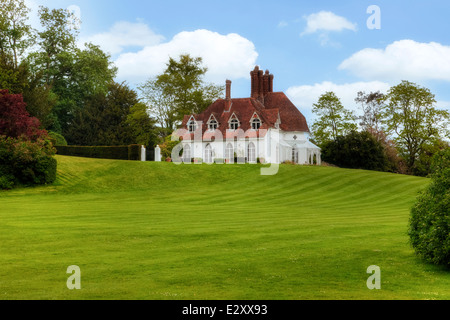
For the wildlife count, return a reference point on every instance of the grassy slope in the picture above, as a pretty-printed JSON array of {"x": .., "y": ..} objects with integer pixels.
[{"x": 161, "y": 231}]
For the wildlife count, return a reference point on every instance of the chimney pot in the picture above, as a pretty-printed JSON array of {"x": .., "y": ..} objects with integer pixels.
[{"x": 228, "y": 90}]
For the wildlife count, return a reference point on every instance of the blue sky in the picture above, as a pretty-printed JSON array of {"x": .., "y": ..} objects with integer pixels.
[{"x": 310, "y": 46}]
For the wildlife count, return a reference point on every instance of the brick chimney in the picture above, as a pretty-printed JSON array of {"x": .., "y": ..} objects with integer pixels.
[
  {"x": 228, "y": 90},
  {"x": 228, "y": 95},
  {"x": 262, "y": 83}
]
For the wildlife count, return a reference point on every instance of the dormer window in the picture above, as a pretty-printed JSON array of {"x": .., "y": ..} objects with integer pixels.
[
  {"x": 234, "y": 124},
  {"x": 212, "y": 123},
  {"x": 192, "y": 125},
  {"x": 256, "y": 124}
]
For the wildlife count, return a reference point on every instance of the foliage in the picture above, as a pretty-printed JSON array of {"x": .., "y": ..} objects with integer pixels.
[
  {"x": 57, "y": 139},
  {"x": 16, "y": 35},
  {"x": 103, "y": 120},
  {"x": 142, "y": 125},
  {"x": 394, "y": 162},
  {"x": 26, "y": 162},
  {"x": 334, "y": 120},
  {"x": 358, "y": 150},
  {"x": 15, "y": 121},
  {"x": 371, "y": 105},
  {"x": 57, "y": 42},
  {"x": 13, "y": 78},
  {"x": 429, "y": 226},
  {"x": 65, "y": 76},
  {"x": 410, "y": 116},
  {"x": 429, "y": 150},
  {"x": 167, "y": 147},
  {"x": 179, "y": 91}
]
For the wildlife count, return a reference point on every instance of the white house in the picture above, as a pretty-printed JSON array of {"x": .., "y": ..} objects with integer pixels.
[{"x": 266, "y": 127}]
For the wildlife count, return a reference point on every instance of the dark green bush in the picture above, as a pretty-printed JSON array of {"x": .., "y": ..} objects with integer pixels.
[
  {"x": 25, "y": 162},
  {"x": 57, "y": 139},
  {"x": 357, "y": 150},
  {"x": 429, "y": 225}
]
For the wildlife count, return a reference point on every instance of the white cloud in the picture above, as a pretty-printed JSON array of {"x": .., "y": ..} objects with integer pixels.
[
  {"x": 305, "y": 96},
  {"x": 124, "y": 35},
  {"x": 326, "y": 21},
  {"x": 226, "y": 56},
  {"x": 401, "y": 60}
]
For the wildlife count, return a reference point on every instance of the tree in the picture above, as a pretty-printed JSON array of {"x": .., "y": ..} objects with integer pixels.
[
  {"x": 429, "y": 224},
  {"x": 57, "y": 42},
  {"x": 409, "y": 114},
  {"x": 15, "y": 121},
  {"x": 15, "y": 34},
  {"x": 72, "y": 74},
  {"x": 371, "y": 105},
  {"x": 334, "y": 120},
  {"x": 103, "y": 121},
  {"x": 178, "y": 91},
  {"x": 160, "y": 104},
  {"x": 358, "y": 150},
  {"x": 15, "y": 79},
  {"x": 142, "y": 125},
  {"x": 429, "y": 149},
  {"x": 87, "y": 72}
]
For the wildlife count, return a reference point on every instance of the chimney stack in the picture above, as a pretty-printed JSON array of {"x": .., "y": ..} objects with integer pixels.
[
  {"x": 262, "y": 84},
  {"x": 228, "y": 90}
]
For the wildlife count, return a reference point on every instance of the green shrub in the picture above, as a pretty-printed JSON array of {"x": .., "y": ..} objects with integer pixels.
[
  {"x": 357, "y": 150},
  {"x": 25, "y": 162},
  {"x": 57, "y": 139},
  {"x": 6, "y": 181},
  {"x": 167, "y": 147},
  {"x": 429, "y": 225}
]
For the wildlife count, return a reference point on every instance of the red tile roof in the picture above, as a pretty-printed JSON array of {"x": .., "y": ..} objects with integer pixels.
[{"x": 269, "y": 107}]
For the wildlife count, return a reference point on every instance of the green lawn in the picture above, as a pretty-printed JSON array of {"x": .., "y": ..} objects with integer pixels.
[{"x": 161, "y": 231}]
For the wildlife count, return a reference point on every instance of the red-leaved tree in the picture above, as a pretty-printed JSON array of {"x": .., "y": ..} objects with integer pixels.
[{"x": 15, "y": 121}]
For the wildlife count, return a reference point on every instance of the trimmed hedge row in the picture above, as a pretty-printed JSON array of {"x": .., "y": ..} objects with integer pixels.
[{"x": 131, "y": 152}]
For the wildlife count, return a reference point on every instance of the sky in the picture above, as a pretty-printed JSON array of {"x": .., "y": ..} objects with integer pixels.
[{"x": 310, "y": 47}]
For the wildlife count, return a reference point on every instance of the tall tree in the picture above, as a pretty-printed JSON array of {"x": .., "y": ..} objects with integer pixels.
[
  {"x": 88, "y": 72},
  {"x": 371, "y": 105},
  {"x": 334, "y": 120},
  {"x": 103, "y": 121},
  {"x": 410, "y": 116},
  {"x": 142, "y": 125},
  {"x": 178, "y": 91},
  {"x": 57, "y": 41},
  {"x": 16, "y": 35}
]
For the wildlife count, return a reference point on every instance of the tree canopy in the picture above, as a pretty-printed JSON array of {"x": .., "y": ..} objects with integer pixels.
[
  {"x": 178, "y": 91},
  {"x": 334, "y": 120},
  {"x": 410, "y": 116}
]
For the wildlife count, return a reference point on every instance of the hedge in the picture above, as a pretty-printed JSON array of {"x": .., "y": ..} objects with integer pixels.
[{"x": 131, "y": 152}]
